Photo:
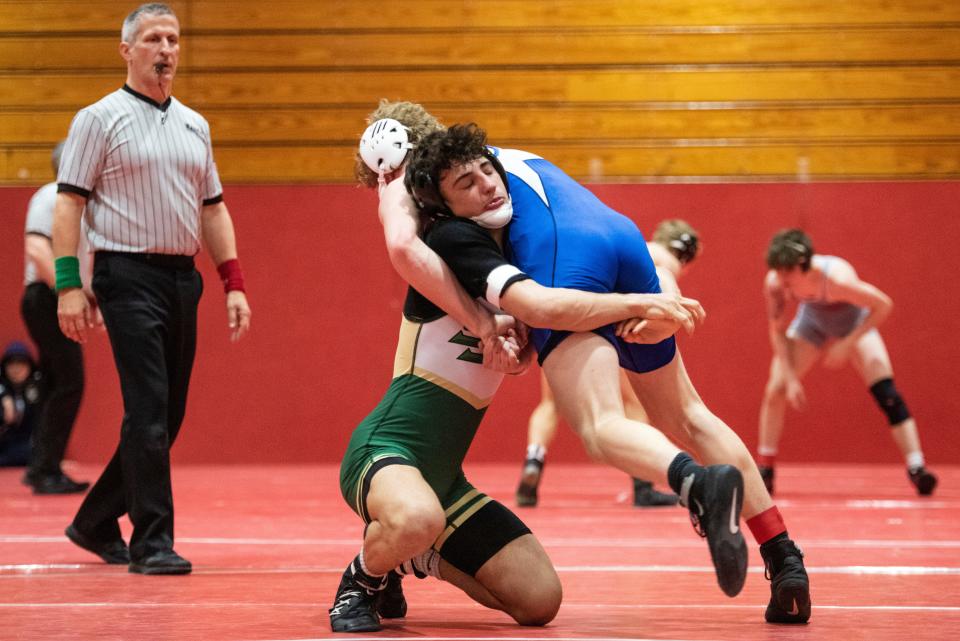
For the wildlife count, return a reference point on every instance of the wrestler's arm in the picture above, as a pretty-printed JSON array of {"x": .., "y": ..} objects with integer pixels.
[
  {"x": 844, "y": 285},
  {"x": 668, "y": 282},
  {"x": 421, "y": 267},
  {"x": 637, "y": 330},
  {"x": 775, "y": 297},
  {"x": 580, "y": 311},
  {"x": 667, "y": 266}
]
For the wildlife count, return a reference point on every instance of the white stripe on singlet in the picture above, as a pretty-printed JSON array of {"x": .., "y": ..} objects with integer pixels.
[{"x": 146, "y": 171}]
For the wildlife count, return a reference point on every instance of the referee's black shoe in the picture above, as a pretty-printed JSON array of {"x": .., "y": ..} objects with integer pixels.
[
  {"x": 163, "y": 562},
  {"x": 714, "y": 497},
  {"x": 54, "y": 484},
  {"x": 112, "y": 552},
  {"x": 354, "y": 608},
  {"x": 391, "y": 604},
  {"x": 789, "y": 584}
]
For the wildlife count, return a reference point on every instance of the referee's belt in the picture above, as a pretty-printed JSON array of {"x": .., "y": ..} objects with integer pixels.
[{"x": 164, "y": 261}]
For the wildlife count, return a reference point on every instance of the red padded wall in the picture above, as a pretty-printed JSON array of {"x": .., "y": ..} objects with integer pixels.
[{"x": 326, "y": 308}]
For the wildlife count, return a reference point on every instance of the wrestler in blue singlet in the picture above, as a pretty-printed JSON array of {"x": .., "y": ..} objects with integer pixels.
[{"x": 564, "y": 236}]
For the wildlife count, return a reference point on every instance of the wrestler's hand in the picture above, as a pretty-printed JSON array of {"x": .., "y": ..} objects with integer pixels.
[
  {"x": 502, "y": 353},
  {"x": 522, "y": 334},
  {"x": 796, "y": 396},
  {"x": 238, "y": 314},
  {"x": 527, "y": 356},
  {"x": 647, "y": 331},
  {"x": 502, "y": 323},
  {"x": 9, "y": 414},
  {"x": 524, "y": 358},
  {"x": 686, "y": 311},
  {"x": 74, "y": 314}
]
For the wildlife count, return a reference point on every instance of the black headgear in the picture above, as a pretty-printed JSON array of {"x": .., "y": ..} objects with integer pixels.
[
  {"x": 424, "y": 187},
  {"x": 685, "y": 247},
  {"x": 425, "y": 190},
  {"x": 495, "y": 161}
]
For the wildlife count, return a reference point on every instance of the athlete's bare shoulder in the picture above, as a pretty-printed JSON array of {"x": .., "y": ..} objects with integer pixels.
[
  {"x": 663, "y": 259},
  {"x": 835, "y": 268},
  {"x": 843, "y": 284}
]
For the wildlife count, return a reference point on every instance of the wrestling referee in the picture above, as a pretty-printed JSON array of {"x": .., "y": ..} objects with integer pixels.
[{"x": 140, "y": 164}]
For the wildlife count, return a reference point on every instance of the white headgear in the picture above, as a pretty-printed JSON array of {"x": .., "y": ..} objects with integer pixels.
[{"x": 384, "y": 145}]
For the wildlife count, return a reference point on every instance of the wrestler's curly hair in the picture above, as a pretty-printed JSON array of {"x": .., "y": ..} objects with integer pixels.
[
  {"x": 436, "y": 153},
  {"x": 419, "y": 123}
]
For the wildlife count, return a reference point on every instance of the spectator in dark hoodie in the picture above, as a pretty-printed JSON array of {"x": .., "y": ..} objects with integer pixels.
[{"x": 20, "y": 398}]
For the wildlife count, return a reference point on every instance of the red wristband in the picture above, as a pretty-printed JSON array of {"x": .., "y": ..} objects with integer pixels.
[{"x": 231, "y": 275}]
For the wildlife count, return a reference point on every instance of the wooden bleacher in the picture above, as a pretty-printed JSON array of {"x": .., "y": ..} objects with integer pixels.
[{"x": 610, "y": 90}]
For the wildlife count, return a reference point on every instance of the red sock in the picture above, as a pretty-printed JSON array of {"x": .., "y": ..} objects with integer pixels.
[
  {"x": 767, "y": 525},
  {"x": 766, "y": 460}
]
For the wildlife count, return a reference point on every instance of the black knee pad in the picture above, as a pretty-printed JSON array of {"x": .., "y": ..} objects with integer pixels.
[
  {"x": 890, "y": 401},
  {"x": 481, "y": 536}
]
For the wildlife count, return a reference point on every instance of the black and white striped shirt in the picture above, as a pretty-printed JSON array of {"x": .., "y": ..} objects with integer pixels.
[{"x": 146, "y": 170}]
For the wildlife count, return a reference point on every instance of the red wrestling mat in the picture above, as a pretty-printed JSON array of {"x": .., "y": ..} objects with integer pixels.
[{"x": 268, "y": 546}]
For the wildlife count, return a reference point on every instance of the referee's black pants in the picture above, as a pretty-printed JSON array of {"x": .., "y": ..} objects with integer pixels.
[
  {"x": 149, "y": 306},
  {"x": 61, "y": 362}
]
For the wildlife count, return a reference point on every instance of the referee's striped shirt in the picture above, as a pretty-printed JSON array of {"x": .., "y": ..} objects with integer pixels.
[{"x": 146, "y": 170}]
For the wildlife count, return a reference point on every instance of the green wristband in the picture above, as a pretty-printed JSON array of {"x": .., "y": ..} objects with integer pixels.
[{"x": 68, "y": 272}]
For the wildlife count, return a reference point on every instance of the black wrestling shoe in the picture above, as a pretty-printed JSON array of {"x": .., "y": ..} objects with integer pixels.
[
  {"x": 354, "y": 608},
  {"x": 645, "y": 495},
  {"x": 529, "y": 482},
  {"x": 924, "y": 481},
  {"x": 714, "y": 498},
  {"x": 766, "y": 474},
  {"x": 391, "y": 604},
  {"x": 789, "y": 584}
]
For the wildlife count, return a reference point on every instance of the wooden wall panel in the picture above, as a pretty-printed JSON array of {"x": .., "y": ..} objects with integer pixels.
[
  {"x": 341, "y": 14},
  {"x": 744, "y": 160},
  {"x": 489, "y": 86},
  {"x": 106, "y": 15},
  {"x": 70, "y": 16},
  {"x": 610, "y": 162},
  {"x": 502, "y": 48},
  {"x": 598, "y": 163},
  {"x": 639, "y": 89},
  {"x": 512, "y": 47},
  {"x": 33, "y": 127},
  {"x": 571, "y": 122}
]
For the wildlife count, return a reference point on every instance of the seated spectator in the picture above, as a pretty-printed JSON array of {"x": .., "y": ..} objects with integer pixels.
[{"x": 20, "y": 397}]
